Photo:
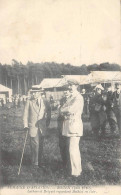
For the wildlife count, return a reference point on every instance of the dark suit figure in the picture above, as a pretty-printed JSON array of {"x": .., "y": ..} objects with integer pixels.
[
  {"x": 110, "y": 113},
  {"x": 117, "y": 106},
  {"x": 97, "y": 113}
]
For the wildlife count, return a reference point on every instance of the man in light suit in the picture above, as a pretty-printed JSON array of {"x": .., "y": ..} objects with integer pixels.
[
  {"x": 35, "y": 118},
  {"x": 73, "y": 127}
]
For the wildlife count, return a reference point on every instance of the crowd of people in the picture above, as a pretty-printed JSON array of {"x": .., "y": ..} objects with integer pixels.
[
  {"x": 103, "y": 106},
  {"x": 15, "y": 101}
]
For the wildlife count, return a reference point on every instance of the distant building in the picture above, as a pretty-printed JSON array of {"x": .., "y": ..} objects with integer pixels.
[
  {"x": 5, "y": 93},
  {"x": 55, "y": 87},
  {"x": 52, "y": 88}
]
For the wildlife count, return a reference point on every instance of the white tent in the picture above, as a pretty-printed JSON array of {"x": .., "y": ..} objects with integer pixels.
[
  {"x": 36, "y": 86},
  {"x": 50, "y": 83},
  {"x": 81, "y": 79},
  {"x": 95, "y": 77},
  {"x": 5, "y": 91},
  {"x": 105, "y": 76}
]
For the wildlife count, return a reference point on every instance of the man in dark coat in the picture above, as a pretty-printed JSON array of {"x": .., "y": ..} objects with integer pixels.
[
  {"x": 110, "y": 112},
  {"x": 63, "y": 142},
  {"x": 86, "y": 102},
  {"x": 117, "y": 105},
  {"x": 97, "y": 112}
]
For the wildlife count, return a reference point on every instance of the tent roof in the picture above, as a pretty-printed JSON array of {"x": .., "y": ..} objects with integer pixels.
[
  {"x": 93, "y": 77},
  {"x": 50, "y": 83},
  {"x": 105, "y": 76},
  {"x": 82, "y": 79},
  {"x": 36, "y": 86},
  {"x": 4, "y": 88}
]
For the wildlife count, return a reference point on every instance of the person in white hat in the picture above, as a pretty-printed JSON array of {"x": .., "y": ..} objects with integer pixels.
[{"x": 73, "y": 128}]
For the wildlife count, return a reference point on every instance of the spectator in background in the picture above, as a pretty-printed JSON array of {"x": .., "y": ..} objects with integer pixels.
[
  {"x": 48, "y": 107},
  {"x": 110, "y": 112},
  {"x": 24, "y": 100},
  {"x": 51, "y": 98},
  {"x": 86, "y": 101},
  {"x": 16, "y": 102},
  {"x": 117, "y": 105},
  {"x": 19, "y": 101},
  {"x": 2, "y": 102},
  {"x": 7, "y": 99},
  {"x": 97, "y": 112},
  {"x": 83, "y": 93},
  {"x": 52, "y": 102},
  {"x": 63, "y": 142}
]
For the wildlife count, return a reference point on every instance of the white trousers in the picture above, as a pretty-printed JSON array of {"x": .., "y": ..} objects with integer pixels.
[{"x": 75, "y": 156}]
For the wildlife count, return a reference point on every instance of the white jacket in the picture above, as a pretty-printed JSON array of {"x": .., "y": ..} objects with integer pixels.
[{"x": 72, "y": 125}]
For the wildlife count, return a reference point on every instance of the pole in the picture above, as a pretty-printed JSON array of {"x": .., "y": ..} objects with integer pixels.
[{"x": 23, "y": 152}]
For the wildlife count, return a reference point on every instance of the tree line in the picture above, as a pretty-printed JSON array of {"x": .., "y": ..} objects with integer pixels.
[{"x": 21, "y": 77}]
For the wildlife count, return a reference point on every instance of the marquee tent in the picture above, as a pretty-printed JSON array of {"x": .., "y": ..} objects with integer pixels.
[
  {"x": 50, "y": 83},
  {"x": 81, "y": 79},
  {"x": 5, "y": 92},
  {"x": 94, "y": 78},
  {"x": 52, "y": 87},
  {"x": 105, "y": 76}
]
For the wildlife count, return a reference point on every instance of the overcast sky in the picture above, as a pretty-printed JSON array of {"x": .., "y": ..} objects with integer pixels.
[{"x": 64, "y": 31}]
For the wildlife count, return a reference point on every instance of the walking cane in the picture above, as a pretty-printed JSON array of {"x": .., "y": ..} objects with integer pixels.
[{"x": 23, "y": 152}]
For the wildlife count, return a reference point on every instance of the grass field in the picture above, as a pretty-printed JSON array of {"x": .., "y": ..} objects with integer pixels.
[{"x": 101, "y": 159}]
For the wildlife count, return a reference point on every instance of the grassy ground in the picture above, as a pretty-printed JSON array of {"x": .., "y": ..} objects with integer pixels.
[{"x": 101, "y": 159}]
